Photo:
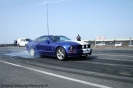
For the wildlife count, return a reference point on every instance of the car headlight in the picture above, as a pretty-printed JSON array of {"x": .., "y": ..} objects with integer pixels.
[
  {"x": 82, "y": 46},
  {"x": 86, "y": 46}
]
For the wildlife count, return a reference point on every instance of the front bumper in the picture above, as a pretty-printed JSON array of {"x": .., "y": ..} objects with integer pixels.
[{"x": 77, "y": 53}]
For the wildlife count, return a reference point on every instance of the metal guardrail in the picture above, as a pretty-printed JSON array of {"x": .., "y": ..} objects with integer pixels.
[
  {"x": 92, "y": 46},
  {"x": 6, "y": 45}
]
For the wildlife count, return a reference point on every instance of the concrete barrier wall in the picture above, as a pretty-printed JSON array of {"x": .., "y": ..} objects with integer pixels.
[
  {"x": 110, "y": 46},
  {"x": 92, "y": 46},
  {"x": 6, "y": 45}
]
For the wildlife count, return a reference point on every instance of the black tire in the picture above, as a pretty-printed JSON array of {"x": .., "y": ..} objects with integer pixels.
[
  {"x": 32, "y": 52},
  {"x": 61, "y": 54},
  {"x": 84, "y": 56},
  {"x": 18, "y": 45}
]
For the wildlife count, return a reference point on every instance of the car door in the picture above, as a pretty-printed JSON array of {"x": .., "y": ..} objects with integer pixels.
[
  {"x": 50, "y": 48},
  {"x": 22, "y": 42},
  {"x": 37, "y": 44},
  {"x": 41, "y": 44},
  {"x": 45, "y": 47}
]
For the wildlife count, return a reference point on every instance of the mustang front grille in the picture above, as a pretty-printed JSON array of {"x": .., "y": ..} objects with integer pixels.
[{"x": 83, "y": 46}]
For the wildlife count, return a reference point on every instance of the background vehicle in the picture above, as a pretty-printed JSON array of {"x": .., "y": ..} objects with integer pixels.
[
  {"x": 22, "y": 41},
  {"x": 118, "y": 44},
  {"x": 58, "y": 46},
  {"x": 130, "y": 45},
  {"x": 101, "y": 44}
]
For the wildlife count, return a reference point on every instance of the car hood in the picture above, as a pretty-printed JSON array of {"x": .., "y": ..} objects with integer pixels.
[{"x": 72, "y": 42}]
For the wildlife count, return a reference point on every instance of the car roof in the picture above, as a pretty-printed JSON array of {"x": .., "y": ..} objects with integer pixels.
[
  {"x": 51, "y": 35},
  {"x": 21, "y": 38}
]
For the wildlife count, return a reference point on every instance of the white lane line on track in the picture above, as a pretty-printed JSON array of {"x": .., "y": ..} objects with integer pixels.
[
  {"x": 56, "y": 75},
  {"x": 106, "y": 64},
  {"x": 112, "y": 55},
  {"x": 114, "y": 59}
]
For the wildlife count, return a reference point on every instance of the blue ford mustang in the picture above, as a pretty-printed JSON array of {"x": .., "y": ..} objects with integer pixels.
[{"x": 58, "y": 46}]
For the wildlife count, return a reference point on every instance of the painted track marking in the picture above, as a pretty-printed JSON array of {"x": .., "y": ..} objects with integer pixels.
[
  {"x": 114, "y": 59},
  {"x": 113, "y": 55},
  {"x": 56, "y": 75},
  {"x": 106, "y": 64}
]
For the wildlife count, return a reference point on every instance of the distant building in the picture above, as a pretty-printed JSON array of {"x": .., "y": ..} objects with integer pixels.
[{"x": 111, "y": 41}]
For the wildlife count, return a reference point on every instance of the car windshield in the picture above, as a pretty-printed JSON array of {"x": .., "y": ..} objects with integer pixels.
[
  {"x": 130, "y": 44},
  {"x": 22, "y": 40},
  {"x": 59, "y": 38},
  {"x": 102, "y": 43},
  {"x": 118, "y": 42}
]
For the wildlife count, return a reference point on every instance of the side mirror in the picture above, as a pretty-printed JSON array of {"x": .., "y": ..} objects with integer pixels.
[{"x": 47, "y": 41}]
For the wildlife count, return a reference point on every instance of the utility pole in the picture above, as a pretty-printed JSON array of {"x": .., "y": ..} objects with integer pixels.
[
  {"x": 95, "y": 42},
  {"x": 5, "y": 43},
  {"x": 130, "y": 41},
  {"x": 47, "y": 20}
]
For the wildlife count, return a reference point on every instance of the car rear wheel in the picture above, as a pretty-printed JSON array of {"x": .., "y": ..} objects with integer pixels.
[
  {"x": 18, "y": 45},
  {"x": 32, "y": 52},
  {"x": 61, "y": 54}
]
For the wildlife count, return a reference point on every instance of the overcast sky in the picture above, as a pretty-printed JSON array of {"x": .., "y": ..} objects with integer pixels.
[{"x": 88, "y": 18}]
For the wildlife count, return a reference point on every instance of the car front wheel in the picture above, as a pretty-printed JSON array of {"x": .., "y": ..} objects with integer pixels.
[{"x": 61, "y": 54}]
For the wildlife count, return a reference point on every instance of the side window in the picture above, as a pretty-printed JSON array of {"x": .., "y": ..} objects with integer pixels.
[
  {"x": 22, "y": 40},
  {"x": 42, "y": 39},
  {"x": 55, "y": 38},
  {"x": 52, "y": 38},
  {"x": 62, "y": 38},
  {"x": 36, "y": 40}
]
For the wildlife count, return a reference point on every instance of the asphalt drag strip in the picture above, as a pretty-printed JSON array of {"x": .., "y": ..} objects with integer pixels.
[{"x": 102, "y": 70}]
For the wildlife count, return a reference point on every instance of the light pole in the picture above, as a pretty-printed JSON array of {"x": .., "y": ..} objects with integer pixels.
[
  {"x": 47, "y": 20},
  {"x": 130, "y": 41},
  {"x": 95, "y": 42}
]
